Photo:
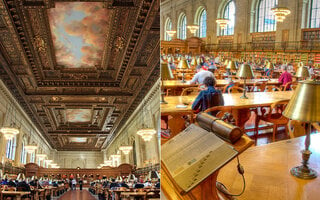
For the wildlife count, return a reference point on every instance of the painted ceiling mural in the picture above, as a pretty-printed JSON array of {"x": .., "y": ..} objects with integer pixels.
[
  {"x": 78, "y": 31},
  {"x": 78, "y": 115}
]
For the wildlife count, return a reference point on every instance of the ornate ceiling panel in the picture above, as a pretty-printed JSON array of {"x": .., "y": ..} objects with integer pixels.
[{"x": 79, "y": 68}]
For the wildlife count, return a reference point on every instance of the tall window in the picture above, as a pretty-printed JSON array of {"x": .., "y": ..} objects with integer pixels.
[
  {"x": 315, "y": 14},
  {"x": 23, "y": 157},
  {"x": 182, "y": 27},
  {"x": 203, "y": 24},
  {"x": 168, "y": 28},
  {"x": 11, "y": 148},
  {"x": 229, "y": 13},
  {"x": 266, "y": 20},
  {"x": 32, "y": 157}
]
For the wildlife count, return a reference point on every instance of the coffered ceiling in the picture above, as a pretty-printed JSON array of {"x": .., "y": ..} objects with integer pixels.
[{"x": 79, "y": 69}]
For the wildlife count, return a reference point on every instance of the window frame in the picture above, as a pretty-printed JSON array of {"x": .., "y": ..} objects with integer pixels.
[
  {"x": 202, "y": 33},
  {"x": 265, "y": 28}
]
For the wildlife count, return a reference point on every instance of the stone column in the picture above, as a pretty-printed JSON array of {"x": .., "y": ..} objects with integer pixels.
[{"x": 17, "y": 159}]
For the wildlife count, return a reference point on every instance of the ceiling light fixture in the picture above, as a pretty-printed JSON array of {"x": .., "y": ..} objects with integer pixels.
[
  {"x": 125, "y": 149},
  {"x": 171, "y": 33},
  {"x": 193, "y": 28},
  {"x": 280, "y": 13},
  {"x": 223, "y": 22}
]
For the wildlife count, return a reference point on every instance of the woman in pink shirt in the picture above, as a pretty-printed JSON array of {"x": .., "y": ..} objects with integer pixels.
[{"x": 285, "y": 77}]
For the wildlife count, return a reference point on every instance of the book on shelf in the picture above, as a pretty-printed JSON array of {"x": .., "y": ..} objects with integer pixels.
[{"x": 193, "y": 155}]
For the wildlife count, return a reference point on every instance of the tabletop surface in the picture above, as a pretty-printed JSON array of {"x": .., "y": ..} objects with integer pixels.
[
  {"x": 254, "y": 99},
  {"x": 267, "y": 171},
  {"x": 15, "y": 192}
]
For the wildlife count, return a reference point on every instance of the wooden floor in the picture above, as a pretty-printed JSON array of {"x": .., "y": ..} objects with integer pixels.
[{"x": 77, "y": 195}]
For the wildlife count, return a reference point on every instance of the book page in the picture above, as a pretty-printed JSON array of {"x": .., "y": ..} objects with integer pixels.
[{"x": 194, "y": 154}]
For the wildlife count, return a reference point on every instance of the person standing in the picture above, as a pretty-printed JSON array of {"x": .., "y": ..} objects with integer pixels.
[
  {"x": 80, "y": 184},
  {"x": 74, "y": 183}
]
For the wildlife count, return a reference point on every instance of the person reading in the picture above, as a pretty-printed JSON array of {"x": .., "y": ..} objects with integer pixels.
[
  {"x": 209, "y": 97},
  {"x": 201, "y": 75},
  {"x": 285, "y": 77}
]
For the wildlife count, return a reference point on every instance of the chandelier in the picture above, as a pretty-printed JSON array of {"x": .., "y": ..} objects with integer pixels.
[
  {"x": 280, "y": 13},
  {"x": 30, "y": 148},
  {"x": 48, "y": 161},
  {"x": 146, "y": 133},
  {"x": 9, "y": 132},
  {"x": 193, "y": 28},
  {"x": 223, "y": 22},
  {"x": 125, "y": 149},
  {"x": 171, "y": 33},
  {"x": 41, "y": 156},
  {"x": 115, "y": 156}
]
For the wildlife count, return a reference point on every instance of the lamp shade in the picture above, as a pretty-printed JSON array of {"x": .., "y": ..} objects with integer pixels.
[
  {"x": 245, "y": 71},
  {"x": 194, "y": 61},
  {"x": 166, "y": 72},
  {"x": 232, "y": 65},
  {"x": 303, "y": 72},
  {"x": 304, "y": 105},
  {"x": 183, "y": 64}
]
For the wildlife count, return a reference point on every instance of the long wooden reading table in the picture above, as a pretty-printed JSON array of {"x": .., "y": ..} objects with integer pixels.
[{"x": 240, "y": 108}]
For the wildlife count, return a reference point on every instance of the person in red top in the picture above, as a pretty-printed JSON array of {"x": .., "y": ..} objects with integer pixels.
[{"x": 285, "y": 77}]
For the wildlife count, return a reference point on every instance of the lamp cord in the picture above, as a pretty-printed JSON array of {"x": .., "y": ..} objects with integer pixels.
[{"x": 224, "y": 188}]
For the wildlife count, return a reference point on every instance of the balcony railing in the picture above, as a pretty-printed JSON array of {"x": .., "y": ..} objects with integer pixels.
[{"x": 300, "y": 46}]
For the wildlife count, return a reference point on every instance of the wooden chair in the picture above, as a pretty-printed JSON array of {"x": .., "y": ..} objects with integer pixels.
[
  {"x": 190, "y": 91},
  {"x": 235, "y": 89},
  {"x": 297, "y": 128},
  {"x": 286, "y": 86},
  {"x": 273, "y": 114},
  {"x": 272, "y": 88},
  {"x": 259, "y": 86}
]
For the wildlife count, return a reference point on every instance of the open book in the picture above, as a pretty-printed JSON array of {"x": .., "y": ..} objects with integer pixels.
[{"x": 193, "y": 155}]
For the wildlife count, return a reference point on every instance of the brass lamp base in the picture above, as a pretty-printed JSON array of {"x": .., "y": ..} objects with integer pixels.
[
  {"x": 303, "y": 171},
  {"x": 162, "y": 101},
  {"x": 243, "y": 97}
]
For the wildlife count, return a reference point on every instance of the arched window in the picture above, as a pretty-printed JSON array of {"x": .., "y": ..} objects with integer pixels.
[
  {"x": 23, "y": 157},
  {"x": 203, "y": 24},
  {"x": 32, "y": 157},
  {"x": 266, "y": 20},
  {"x": 182, "y": 27},
  {"x": 11, "y": 148},
  {"x": 229, "y": 13},
  {"x": 314, "y": 14},
  {"x": 168, "y": 27}
]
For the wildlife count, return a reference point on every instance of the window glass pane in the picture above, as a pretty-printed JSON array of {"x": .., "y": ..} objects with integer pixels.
[
  {"x": 315, "y": 14},
  {"x": 168, "y": 28},
  {"x": 229, "y": 13},
  {"x": 183, "y": 28},
  {"x": 266, "y": 21},
  {"x": 203, "y": 24}
]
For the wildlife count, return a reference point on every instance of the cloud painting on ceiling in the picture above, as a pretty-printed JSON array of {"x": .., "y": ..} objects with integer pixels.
[
  {"x": 78, "y": 115},
  {"x": 78, "y": 32}
]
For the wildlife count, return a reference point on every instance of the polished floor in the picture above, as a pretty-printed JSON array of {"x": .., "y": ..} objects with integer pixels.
[{"x": 77, "y": 195}]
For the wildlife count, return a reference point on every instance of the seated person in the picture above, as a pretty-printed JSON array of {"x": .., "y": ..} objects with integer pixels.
[
  {"x": 123, "y": 184},
  {"x": 209, "y": 97},
  {"x": 201, "y": 75},
  {"x": 11, "y": 183},
  {"x": 114, "y": 184},
  {"x": 157, "y": 184},
  {"x": 138, "y": 185},
  {"x": 147, "y": 184},
  {"x": 23, "y": 186},
  {"x": 285, "y": 77}
]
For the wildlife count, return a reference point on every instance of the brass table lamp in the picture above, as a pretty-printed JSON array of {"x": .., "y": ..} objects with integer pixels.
[
  {"x": 245, "y": 72},
  {"x": 304, "y": 105},
  {"x": 303, "y": 73},
  {"x": 231, "y": 67},
  {"x": 183, "y": 65},
  {"x": 194, "y": 62},
  {"x": 166, "y": 74}
]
